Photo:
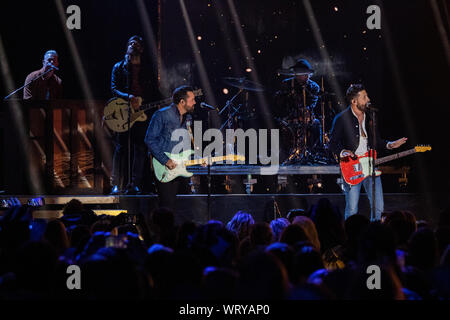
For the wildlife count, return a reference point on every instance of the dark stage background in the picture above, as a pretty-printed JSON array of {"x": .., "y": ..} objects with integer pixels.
[{"x": 403, "y": 65}]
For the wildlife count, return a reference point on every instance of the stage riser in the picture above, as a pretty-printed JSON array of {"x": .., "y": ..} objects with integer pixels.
[{"x": 223, "y": 207}]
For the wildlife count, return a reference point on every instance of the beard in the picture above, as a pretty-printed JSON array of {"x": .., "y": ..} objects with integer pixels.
[
  {"x": 362, "y": 107},
  {"x": 190, "y": 110}
]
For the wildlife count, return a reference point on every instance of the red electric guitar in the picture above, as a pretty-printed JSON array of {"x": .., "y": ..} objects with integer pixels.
[{"x": 356, "y": 170}]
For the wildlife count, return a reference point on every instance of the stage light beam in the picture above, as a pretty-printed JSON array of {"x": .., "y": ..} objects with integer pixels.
[
  {"x": 323, "y": 50},
  {"x": 246, "y": 52},
  {"x": 103, "y": 144},
  {"x": 15, "y": 109},
  {"x": 204, "y": 79}
]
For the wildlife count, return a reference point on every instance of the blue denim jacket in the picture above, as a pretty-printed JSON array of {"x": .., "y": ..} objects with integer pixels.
[{"x": 159, "y": 132}]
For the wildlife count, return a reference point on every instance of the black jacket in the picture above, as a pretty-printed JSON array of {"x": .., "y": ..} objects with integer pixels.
[
  {"x": 119, "y": 88},
  {"x": 345, "y": 133},
  {"x": 147, "y": 80}
]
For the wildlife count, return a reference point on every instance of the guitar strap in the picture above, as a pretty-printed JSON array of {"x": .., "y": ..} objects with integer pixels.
[
  {"x": 188, "y": 125},
  {"x": 191, "y": 135}
]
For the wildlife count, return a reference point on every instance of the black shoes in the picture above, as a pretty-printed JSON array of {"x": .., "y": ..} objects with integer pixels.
[
  {"x": 133, "y": 190},
  {"x": 115, "y": 191}
]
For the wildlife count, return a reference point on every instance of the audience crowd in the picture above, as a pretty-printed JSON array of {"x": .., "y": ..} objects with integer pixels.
[{"x": 308, "y": 255}]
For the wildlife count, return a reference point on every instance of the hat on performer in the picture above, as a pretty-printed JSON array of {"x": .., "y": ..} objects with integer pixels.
[
  {"x": 136, "y": 38},
  {"x": 302, "y": 66}
]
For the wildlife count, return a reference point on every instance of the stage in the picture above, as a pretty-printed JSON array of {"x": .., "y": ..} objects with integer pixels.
[{"x": 61, "y": 147}]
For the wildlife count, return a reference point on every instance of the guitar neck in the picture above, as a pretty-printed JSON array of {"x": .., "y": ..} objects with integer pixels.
[
  {"x": 153, "y": 105},
  {"x": 167, "y": 101},
  {"x": 203, "y": 160},
  {"x": 395, "y": 156}
]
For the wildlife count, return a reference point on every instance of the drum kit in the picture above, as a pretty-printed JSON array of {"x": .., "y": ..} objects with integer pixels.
[{"x": 303, "y": 138}]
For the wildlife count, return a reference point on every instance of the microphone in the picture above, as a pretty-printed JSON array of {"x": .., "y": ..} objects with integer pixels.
[
  {"x": 208, "y": 106},
  {"x": 52, "y": 66},
  {"x": 369, "y": 107}
]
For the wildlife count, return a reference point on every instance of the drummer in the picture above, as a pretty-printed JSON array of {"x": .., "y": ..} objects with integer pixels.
[
  {"x": 292, "y": 89},
  {"x": 302, "y": 72}
]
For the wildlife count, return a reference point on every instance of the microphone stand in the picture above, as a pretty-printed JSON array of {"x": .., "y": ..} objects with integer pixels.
[
  {"x": 305, "y": 115},
  {"x": 322, "y": 110},
  {"x": 229, "y": 102},
  {"x": 372, "y": 159},
  {"x": 26, "y": 84},
  {"x": 209, "y": 174},
  {"x": 129, "y": 186}
]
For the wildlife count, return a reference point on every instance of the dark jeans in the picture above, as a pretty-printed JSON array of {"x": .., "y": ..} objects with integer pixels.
[
  {"x": 168, "y": 191},
  {"x": 119, "y": 175}
]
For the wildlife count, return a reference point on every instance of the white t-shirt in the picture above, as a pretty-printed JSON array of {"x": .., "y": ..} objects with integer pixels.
[
  {"x": 363, "y": 141},
  {"x": 362, "y": 146}
]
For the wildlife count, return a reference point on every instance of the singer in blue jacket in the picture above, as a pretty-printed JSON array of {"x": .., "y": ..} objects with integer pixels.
[{"x": 159, "y": 138}]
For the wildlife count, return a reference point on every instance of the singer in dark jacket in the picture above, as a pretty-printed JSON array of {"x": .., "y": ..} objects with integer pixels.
[
  {"x": 351, "y": 134},
  {"x": 345, "y": 133},
  {"x": 133, "y": 81},
  {"x": 159, "y": 139}
]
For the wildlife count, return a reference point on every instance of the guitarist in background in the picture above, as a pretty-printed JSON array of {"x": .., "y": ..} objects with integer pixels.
[
  {"x": 158, "y": 139},
  {"x": 351, "y": 135},
  {"x": 131, "y": 80}
]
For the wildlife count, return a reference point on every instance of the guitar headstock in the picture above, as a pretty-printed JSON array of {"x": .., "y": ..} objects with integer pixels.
[
  {"x": 422, "y": 148},
  {"x": 234, "y": 157}
]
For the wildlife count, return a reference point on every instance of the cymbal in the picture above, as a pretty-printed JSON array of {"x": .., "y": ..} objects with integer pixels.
[
  {"x": 292, "y": 72},
  {"x": 243, "y": 83}
]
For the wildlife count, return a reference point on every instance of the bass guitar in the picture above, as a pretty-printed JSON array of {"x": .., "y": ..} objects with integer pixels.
[{"x": 355, "y": 170}]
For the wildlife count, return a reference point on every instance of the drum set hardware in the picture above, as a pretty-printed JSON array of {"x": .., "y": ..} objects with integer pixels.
[{"x": 303, "y": 138}]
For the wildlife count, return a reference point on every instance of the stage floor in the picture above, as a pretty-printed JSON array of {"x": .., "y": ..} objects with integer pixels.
[{"x": 263, "y": 207}]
